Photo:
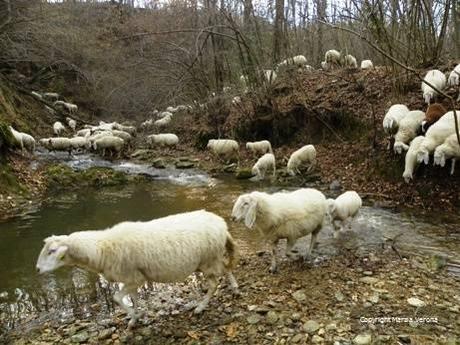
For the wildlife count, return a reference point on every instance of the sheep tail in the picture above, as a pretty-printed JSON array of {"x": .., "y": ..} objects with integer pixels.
[{"x": 232, "y": 251}]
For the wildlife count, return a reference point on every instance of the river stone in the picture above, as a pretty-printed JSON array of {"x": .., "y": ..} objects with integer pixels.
[
  {"x": 362, "y": 339},
  {"x": 368, "y": 280},
  {"x": 243, "y": 174},
  {"x": 184, "y": 165},
  {"x": 415, "y": 302},
  {"x": 299, "y": 296},
  {"x": 311, "y": 326},
  {"x": 272, "y": 317},
  {"x": 253, "y": 319},
  {"x": 80, "y": 337},
  {"x": 159, "y": 163}
]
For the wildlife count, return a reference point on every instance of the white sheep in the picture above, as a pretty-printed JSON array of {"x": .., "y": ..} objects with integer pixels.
[
  {"x": 78, "y": 143},
  {"x": 392, "y": 118},
  {"x": 71, "y": 123},
  {"x": 58, "y": 128},
  {"x": 52, "y": 96},
  {"x": 109, "y": 143},
  {"x": 70, "y": 107},
  {"x": 57, "y": 144},
  {"x": 449, "y": 149},
  {"x": 164, "y": 250},
  {"x": 83, "y": 132},
  {"x": 171, "y": 109},
  {"x": 349, "y": 61},
  {"x": 331, "y": 58},
  {"x": 164, "y": 114},
  {"x": 259, "y": 147},
  {"x": 298, "y": 60},
  {"x": 23, "y": 140},
  {"x": 436, "y": 135},
  {"x": 343, "y": 209},
  {"x": 225, "y": 148},
  {"x": 454, "y": 76},
  {"x": 128, "y": 129},
  {"x": 289, "y": 215},
  {"x": 306, "y": 155},
  {"x": 163, "y": 139},
  {"x": 263, "y": 164},
  {"x": 411, "y": 158},
  {"x": 437, "y": 79},
  {"x": 409, "y": 126},
  {"x": 367, "y": 64},
  {"x": 325, "y": 66},
  {"x": 163, "y": 122},
  {"x": 123, "y": 135}
]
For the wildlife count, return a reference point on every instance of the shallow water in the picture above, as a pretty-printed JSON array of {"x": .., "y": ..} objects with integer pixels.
[{"x": 23, "y": 292}]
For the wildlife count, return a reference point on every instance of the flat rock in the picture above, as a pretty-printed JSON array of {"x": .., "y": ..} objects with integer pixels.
[
  {"x": 362, "y": 339},
  {"x": 184, "y": 165},
  {"x": 272, "y": 317},
  {"x": 368, "y": 280},
  {"x": 415, "y": 302},
  {"x": 253, "y": 319},
  {"x": 311, "y": 326}
]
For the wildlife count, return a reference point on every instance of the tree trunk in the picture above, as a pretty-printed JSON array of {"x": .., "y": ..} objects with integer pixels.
[{"x": 278, "y": 36}]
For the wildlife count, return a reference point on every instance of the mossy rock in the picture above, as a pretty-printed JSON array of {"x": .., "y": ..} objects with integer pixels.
[
  {"x": 184, "y": 165},
  {"x": 243, "y": 174},
  {"x": 142, "y": 154}
]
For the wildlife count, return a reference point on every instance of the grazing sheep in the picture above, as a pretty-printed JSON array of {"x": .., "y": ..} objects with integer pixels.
[
  {"x": 434, "y": 112},
  {"x": 71, "y": 123},
  {"x": 303, "y": 156},
  {"x": 23, "y": 140},
  {"x": 164, "y": 250},
  {"x": 37, "y": 95},
  {"x": 225, "y": 148},
  {"x": 164, "y": 139},
  {"x": 52, "y": 96},
  {"x": 436, "y": 135},
  {"x": 435, "y": 78},
  {"x": 113, "y": 144},
  {"x": 349, "y": 61},
  {"x": 409, "y": 126},
  {"x": 454, "y": 76},
  {"x": 58, "y": 128},
  {"x": 17, "y": 137},
  {"x": 298, "y": 60},
  {"x": 392, "y": 118},
  {"x": 449, "y": 149},
  {"x": 332, "y": 58},
  {"x": 367, "y": 64},
  {"x": 264, "y": 163},
  {"x": 80, "y": 143},
  {"x": 411, "y": 158},
  {"x": 289, "y": 215},
  {"x": 343, "y": 209},
  {"x": 57, "y": 144},
  {"x": 259, "y": 147},
  {"x": 163, "y": 122}
]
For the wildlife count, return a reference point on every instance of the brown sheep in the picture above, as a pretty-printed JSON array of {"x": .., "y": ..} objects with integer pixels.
[{"x": 433, "y": 114}]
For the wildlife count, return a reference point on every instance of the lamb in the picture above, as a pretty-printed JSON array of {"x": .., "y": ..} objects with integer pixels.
[
  {"x": 449, "y": 149},
  {"x": 259, "y": 147},
  {"x": 110, "y": 143},
  {"x": 304, "y": 155},
  {"x": 392, "y": 118},
  {"x": 164, "y": 139},
  {"x": 164, "y": 250},
  {"x": 349, "y": 61},
  {"x": 71, "y": 123},
  {"x": 343, "y": 209},
  {"x": 411, "y": 158},
  {"x": 52, "y": 96},
  {"x": 367, "y": 64},
  {"x": 289, "y": 215},
  {"x": 163, "y": 122},
  {"x": 409, "y": 127},
  {"x": 225, "y": 148},
  {"x": 436, "y": 135},
  {"x": 264, "y": 163},
  {"x": 454, "y": 76},
  {"x": 58, "y": 127},
  {"x": 332, "y": 58},
  {"x": 434, "y": 112},
  {"x": 437, "y": 79}
]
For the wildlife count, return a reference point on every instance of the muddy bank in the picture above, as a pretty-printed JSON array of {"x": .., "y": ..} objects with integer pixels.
[{"x": 349, "y": 291}]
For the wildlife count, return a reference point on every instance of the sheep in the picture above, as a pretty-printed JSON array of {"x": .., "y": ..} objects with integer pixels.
[
  {"x": 164, "y": 114},
  {"x": 409, "y": 126},
  {"x": 298, "y": 60},
  {"x": 436, "y": 135},
  {"x": 259, "y": 147},
  {"x": 83, "y": 132},
  {"x": 349, "y": 61},
  {"x": 392, "y": 118},
  {"x": 129, "y": 129},
  {"x": 225, "y": 148},
  {"x": 52, "y": 96},
  {"x": 343, "y": 209},
  {"x": 57, "y": 144},
  {"x": 367, "y": 64},
  {"x": 171, "y": 109},
  {"x": 58, "y": 127},
  {"x": 411, "y": 158},
  {"x": 325, "y": 66},
  {"x": 263, "y": 164},
  {"x": 80, "y": 143},
  {"x": 123, "y": 135},
  {"x": 434, "y": 112},
  {"x": 332, "y": 58},
  {"x": 454, "y": 76},
  {"x": 270, "y": 75},
  {"x": 163, "y": 122},
  {"x": 304, "y": 155},
  {"x": 164, "y": 139},
  {"x": 289, "y": 215},
  {"x": 71, "y": 123},
  {"x": 437, "y": 79},
  {"x": 164, "y": 250},
  {"x": 37, "y": 95},
  {"x": 23, "y": 140},
  {"x": 111, "y": 143},
  {"x": 70, "y": 107},
  {"x": 449, "y": 149}
]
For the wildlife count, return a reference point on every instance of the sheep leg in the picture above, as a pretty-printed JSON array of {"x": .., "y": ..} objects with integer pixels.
[
  {"x": 212, "y": 287},
  {"x": 452, "y": 167},
  {"x": 273, "y": 266},
  {"x": 118, "y": 297},
  {"x": 314, "y": 234}
]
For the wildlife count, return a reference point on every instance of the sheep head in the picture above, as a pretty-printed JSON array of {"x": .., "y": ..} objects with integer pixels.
[
  {"x": 245, "y": 208},
  {"x": 423, "y": 156},
  {"x": 407, "y": 176},
  {"x": 53, "y": 254},
  {"x": 439, "y": 158}
]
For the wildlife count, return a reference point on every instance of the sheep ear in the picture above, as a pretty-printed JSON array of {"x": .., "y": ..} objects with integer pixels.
[{"x": 250, "y": 218}]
